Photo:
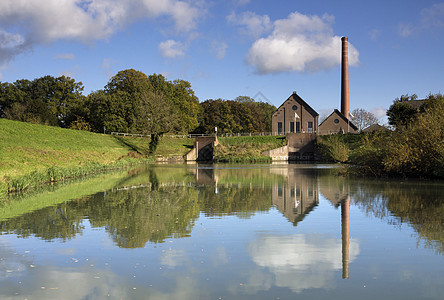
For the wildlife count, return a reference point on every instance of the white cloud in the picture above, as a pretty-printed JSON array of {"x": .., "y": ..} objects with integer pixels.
[
  {"x": 430, "y": 18},
  {"x": 45, "y": 21},
  {"x": 241, "y": 2},
  {"x": 299, "y": 43},
  {"x": 65, "y": 56},
  {"x": 11, "y": 44},
  {"x": 433, "y": 17},
  {"x": 289, "y": 258},
  {"x": 219, "y": 49},
  {"x": 251, "y": 23},
  {"x": 172, "y": 49},
  {"x": 374, "y": 34},
  {"x": 379, "y": 112},
  {"x": 405, "y": 30}
]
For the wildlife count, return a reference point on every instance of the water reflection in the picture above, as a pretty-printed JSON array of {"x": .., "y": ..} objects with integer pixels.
[
  {"x": 213, "y": 223},
  {"x": 297, "y": 195},
  {"x": 158, "y": 203},
  {"x": 301, "y": 262}
]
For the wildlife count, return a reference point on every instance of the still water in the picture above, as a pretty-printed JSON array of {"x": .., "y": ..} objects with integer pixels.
[{"x": 225, "y": 232}]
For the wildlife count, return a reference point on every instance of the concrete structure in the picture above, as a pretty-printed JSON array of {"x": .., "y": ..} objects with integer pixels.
[
  {"x": 336, "y": 122},
  {"x": 345, "y": 96},
  {"x": 203, "y": 149},
  {"x": 294, "y": 116},
  {"x": 300, "y": 146}
]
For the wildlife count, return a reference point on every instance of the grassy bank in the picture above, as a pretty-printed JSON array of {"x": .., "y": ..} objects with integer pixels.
[
  {"x": 33, "y": 154},
  {"x": 246, "y": 148}
]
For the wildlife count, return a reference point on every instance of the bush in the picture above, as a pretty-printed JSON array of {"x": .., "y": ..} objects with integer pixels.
[{"x": 333, "y": 149}]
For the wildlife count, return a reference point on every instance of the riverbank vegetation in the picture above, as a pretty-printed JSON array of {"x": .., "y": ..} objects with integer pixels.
[
  {"x": 32, "y": 154},
  {"x": 414, "y": 149}
]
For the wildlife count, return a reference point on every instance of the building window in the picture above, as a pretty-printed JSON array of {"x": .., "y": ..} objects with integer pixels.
[
  {"x": 310, "y": 127},
  {"x": 298, "y": 127},
  {"x": 291, "y": 126},
  {"x": 336, "y": 121},
  {"x": 294, "y": 107},
  {"x": 279, "y": 127}
]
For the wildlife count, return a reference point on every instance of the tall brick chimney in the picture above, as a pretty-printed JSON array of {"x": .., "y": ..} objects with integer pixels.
[{"x": 345, "y": 97}]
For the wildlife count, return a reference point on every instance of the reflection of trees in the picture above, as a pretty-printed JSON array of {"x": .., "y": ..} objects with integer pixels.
[
  {"x": 241, "y": 200},
  {"x": 133, "y": 217},
  {"x": 419, "y": 204},
  {"x": 59, "y": 222}
]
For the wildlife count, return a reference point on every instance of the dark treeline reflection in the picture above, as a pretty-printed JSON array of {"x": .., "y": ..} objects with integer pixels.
[
  {"x": 421, "y": 205},
  {"x": 157, "y": 203},
  {"x": 161, "y": 207},
  {"x": 418, "y": 204}
]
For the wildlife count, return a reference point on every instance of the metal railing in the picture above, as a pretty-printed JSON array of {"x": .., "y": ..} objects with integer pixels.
[{"x": 194, "y": 135}]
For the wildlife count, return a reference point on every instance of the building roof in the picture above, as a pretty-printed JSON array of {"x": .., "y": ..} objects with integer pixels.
[
  {"x": 343, "y": 118},
  {"x": 297, "y": 98},
  {"x": 374, "y": 127},
  {"x": 414, "y": 103}
]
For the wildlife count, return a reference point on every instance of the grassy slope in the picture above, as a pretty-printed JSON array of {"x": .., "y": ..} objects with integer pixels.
[
  {"x": 27, "y": 147},
  {"x": 246, "y": 148}
]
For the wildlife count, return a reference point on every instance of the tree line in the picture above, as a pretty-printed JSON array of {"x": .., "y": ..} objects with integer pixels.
[{"x": 130, "y": 102}]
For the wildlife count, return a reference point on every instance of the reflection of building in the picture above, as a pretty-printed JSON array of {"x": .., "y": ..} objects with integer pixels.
[{"x": 296, "y": 196}]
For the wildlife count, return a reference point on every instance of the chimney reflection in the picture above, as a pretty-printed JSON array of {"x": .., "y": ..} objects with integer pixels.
[{"x": 345, "y": 221}]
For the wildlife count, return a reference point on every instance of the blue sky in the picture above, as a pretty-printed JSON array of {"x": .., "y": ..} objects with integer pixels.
[{"x": 235, "y": 47}]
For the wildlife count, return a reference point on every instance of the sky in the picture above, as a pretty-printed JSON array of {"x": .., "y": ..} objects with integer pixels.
[{"x": 257, "y": 48}]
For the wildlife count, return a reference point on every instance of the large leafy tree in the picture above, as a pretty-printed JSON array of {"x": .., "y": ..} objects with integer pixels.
[
  {"x": 182, "y": 99},
  {"x": 49, "y": 100},
  {"x": 234, "y": 116},
  {"x": 154, "y": 116},
  {"x": 401, "y": 112}
]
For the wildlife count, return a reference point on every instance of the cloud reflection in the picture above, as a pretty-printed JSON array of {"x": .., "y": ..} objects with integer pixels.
[{"x": 299, "y": 262}]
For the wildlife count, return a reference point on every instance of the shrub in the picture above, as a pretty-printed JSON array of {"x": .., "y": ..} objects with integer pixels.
[{"x": 332, "y": 148}]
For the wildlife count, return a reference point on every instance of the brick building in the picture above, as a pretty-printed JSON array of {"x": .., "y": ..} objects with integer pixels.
[
  {"x": 336, "y": 122},
  {"x": 294, "y": 116}
]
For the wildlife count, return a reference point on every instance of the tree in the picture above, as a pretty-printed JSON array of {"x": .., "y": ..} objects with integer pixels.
[
  {"x": 401, "y": 112},
  {"x": 182, "y": 100},
  {"x": 115, "y": 107},
  {"x": 363, "y": 119},
  {"x": 56, "y": 101},
  {"x": 154, "y": 116}
]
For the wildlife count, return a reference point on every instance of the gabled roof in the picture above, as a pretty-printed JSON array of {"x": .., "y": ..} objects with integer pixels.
[
  {"x": 296, "y": 97},
  {"x": 342, "y": 117},
  {"x": 414, "y": 103},
  {"x": 375, "y": 127}
]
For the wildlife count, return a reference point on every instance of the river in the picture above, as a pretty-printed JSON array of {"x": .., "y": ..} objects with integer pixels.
[{"x": 260, "y": 231}]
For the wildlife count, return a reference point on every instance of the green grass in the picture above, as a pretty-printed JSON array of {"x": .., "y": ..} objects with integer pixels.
[
  {"x": 174, "y": 147},
  {"x": 246, "y": 148},
  {"x": 51, "y": 195},
  {"x": 27, "y": 147},
  {"x": 32, "y": 154}
]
